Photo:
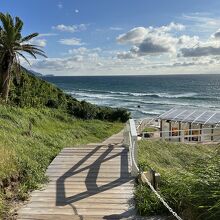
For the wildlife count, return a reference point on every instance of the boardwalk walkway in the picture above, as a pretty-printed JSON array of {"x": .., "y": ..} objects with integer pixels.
[{"x": 90, "y": 182}]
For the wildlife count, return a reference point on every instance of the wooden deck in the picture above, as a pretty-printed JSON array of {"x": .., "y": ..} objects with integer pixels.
[{"x": 90, "y": 182}]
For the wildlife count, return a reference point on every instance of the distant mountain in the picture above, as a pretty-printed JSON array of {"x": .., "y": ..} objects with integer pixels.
[
  {"x": 35, "y": 73},
  {"x": 32, "y": 72},
  {"x": 48, "y": 75}
]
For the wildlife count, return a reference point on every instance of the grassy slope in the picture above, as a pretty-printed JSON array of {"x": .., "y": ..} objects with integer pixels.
[
  {"x": 190, "y": 179},
  {"x": 30, "y": 91},
  {"x": 24, "y": 157}
]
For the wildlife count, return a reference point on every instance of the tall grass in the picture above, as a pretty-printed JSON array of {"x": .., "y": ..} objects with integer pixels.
[
  {"x": 190, "y": 179},
  {"x": 30, "y": 139}
]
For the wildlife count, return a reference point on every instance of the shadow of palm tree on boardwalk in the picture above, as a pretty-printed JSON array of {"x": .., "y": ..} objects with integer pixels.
[{"x": 91, "y": 179}]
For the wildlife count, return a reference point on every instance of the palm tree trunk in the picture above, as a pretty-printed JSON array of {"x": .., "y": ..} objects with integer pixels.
[
  {"x": 5, "y": 86},
  {"x": 5, "y": 76}
]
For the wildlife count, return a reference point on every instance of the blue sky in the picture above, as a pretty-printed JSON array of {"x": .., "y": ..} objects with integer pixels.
[{"x": 115, "y": 37}]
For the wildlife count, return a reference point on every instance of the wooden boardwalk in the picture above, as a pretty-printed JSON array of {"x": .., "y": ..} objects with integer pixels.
[{"x": 90, "y": 182}]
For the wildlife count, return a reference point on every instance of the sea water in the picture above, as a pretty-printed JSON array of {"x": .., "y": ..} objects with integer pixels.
[{"x": 144, "y": 96}]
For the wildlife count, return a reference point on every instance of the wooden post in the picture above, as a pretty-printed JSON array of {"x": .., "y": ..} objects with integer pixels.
[
  {"x": 190, "y": 131},
  {"x": 153, "y": 178},
  {"x": 133, "y": 132},
  {"x": 161, "y": 128},
  {"x": 201, "y": 132},
  {"x": 180, "y": 133},
  {"x": 212, "y": 132},
  {"x": 170, "y": 130}
]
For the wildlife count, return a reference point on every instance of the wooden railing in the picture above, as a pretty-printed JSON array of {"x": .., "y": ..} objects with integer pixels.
[
  {"x": 130, "y": 140},
  {"x": 204, "y": 134},
  {"x": 186, "y": 135}
]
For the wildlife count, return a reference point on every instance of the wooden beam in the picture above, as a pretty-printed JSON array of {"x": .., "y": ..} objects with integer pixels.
[
  {"x": 201, "y": 132},
  {"x": 180, "y": 128},
  {"x": 212, "y": 132},
  {"x": 170, "y": 130},
  {"x": 161, "y": 128},
  {"x": 190, "y": 131}
]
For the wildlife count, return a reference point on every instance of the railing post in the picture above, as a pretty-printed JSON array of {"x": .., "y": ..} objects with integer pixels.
[
  {"x": 134, "y": 171},
  {"x": 182, "y": 135},
  {"x": 126, "y": 135},
  {"x": 201, "y": 133}
]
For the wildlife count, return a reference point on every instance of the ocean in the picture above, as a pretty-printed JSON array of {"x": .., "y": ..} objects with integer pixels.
[{"x": 144, "y": 96}]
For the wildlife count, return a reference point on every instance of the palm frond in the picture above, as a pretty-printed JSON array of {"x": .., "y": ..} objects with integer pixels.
[
  {"x": 20, "y": 54},
  {"x": 34, "y": 48},
  {"x": 30, "y": 52},
  {"x": 4, "y": 21},
  {"x": 29, "y": 37},
  {"x": 18, "y": 24}
]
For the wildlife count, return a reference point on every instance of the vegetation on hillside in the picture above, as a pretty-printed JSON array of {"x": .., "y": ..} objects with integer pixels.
[
  {"x": 190, "y": 179},
  {"x": 30, "y": 91},
  {"x": 30, "y": 139}
]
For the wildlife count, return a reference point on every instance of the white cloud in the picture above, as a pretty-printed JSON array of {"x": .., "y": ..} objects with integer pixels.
[
  {"x": 202, "y": 23},
  {"x": 147, "y": 50},
  {"x": 208, "y": 48},
  {"x": 150, "y": 40},
  {"x": 97, "y": 65},
  {"x": 200, "y": 51},
  {"x": 47, "y": 35},
  {"x": 115, "y": 28},
  {"x": 60, "y": 5},
  {"x": 76, "y": 10},
  {"x": 171, "y": 27},
  {"x": 216, "y": 35},
  {"x": 70, "y": 28},
  {"x": 188, "y": 41},
  {"x": 39, "y": 42},
  {"x": 84, "y": 50},
  {"x": 71, "y": 41},
  {"x": 126, "y": 55},
  {"x": 134, "y": 36}
]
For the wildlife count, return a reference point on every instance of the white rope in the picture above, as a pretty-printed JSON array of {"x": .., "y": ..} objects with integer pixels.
[{"x": 149, "y": 184}]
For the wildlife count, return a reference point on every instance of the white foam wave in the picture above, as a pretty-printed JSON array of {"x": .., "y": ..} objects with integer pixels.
[{"x": 136, "y": 94}]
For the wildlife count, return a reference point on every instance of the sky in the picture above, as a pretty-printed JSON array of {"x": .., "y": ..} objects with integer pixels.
[{"x": 122, "y": 37}]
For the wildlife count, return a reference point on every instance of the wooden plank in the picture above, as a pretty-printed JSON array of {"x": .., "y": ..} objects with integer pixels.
[
  {"x": 73, "y": 217},
  {"x": 70, "y": 211},
  {"x": 80, "y": 186},
  {"x": 84, "y": 195},
  {"x": 78, "y": 205},
  {"x": 83, "y": 186},
  {"x": 96, "y": 169},
  {"x": 72, "y": 192},
  {"x": 89, "y": 200}
]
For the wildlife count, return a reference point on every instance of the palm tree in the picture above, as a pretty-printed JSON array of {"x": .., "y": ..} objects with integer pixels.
[{"x": 12, "y": 46}]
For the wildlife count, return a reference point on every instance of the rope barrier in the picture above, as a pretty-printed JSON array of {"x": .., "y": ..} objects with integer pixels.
[{"x": 132, "y": 144}]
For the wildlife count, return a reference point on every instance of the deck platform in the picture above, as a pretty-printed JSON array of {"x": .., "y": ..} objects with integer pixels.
[{"x": 88, "y": 182}]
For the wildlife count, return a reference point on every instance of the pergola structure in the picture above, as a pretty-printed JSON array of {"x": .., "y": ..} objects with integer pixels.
[{"x": 190, "y": 123}]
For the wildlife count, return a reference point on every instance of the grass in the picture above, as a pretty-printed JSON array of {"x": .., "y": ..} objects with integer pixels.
[
  {"x": 30, "y": 139},
  {"x": 190, "y": 179}
]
